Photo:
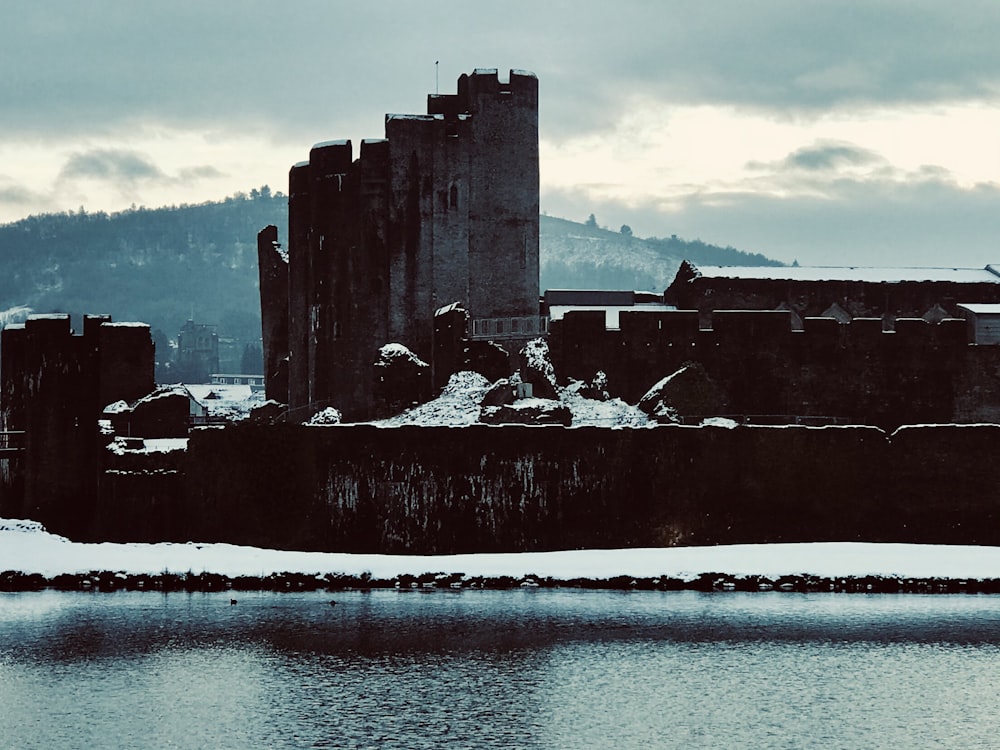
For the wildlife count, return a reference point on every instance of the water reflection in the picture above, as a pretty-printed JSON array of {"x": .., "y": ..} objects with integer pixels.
[{"x": 559, "y": 669}]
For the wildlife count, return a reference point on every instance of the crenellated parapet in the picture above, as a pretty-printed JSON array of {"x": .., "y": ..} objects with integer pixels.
[
  {"x": 54, "y": 384},
  {"x": 854, "y": 371}
]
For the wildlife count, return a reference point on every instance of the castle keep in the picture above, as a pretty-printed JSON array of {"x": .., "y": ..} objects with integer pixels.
[{"x": 444, "y": 209}]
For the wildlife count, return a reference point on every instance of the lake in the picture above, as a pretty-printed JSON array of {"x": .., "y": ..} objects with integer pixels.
[{"x": 542, "y": 668}]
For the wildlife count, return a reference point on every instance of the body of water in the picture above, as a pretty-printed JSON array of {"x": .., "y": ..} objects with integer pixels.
[{"x": 498, "y": 669}]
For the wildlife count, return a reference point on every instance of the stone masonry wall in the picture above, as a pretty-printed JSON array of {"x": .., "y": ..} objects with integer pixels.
[
  {"x": 441, "y": 490},
  {"x": 921, "y": 372}
]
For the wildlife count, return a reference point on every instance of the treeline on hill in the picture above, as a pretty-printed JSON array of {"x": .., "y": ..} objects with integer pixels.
[
  {"x": 586, "y": 256},
  {"x": 164, "y": 266},
  {"x": 161, "y": 266}
]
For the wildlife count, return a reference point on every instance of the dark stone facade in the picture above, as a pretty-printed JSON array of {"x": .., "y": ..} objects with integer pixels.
[
  {"x": 422, "y": 490},
  {"x": 861, "y": 295},
  {"x": 443, "y": 210},
  {"x": 853, "y": 373},
  {"x": 54, "y": 385}
]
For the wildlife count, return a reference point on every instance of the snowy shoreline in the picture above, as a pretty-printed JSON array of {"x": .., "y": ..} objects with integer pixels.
[{"x": 28, "y": 553}]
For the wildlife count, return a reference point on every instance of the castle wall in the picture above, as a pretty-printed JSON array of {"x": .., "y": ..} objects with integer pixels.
[
  {"x": 448, "y": 490},
  {"x": 411, "y": 225},
  {"x": 12, "y": 416},
  {"x": 274, "y": 289},
  {"x": 504, "y": 208},
  {"x": 55, "y": 384},
  {"x": 856, "y": 372},
  {"x": 858, "y": 299},
  {"x": 299, "y": 294},
  {"x": 126, "y": 362}
]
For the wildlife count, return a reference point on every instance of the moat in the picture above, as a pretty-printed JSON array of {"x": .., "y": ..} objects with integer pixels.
[{"x": 527, "y": 669}]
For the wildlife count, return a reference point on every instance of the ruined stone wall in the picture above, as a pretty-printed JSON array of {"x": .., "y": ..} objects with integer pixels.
[
  {"x": 12, "y": 416},
  {"x": 920, "y": 372},
  {"x": 444, "y": 210},
  {"x": 442, "y": 490},
  {"x": 272, "y": 267},
  {"x": 55, "y": 384},
  {"x": 126, "y": 362}
]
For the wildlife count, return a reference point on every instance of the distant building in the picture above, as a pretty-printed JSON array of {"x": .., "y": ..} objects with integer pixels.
[
  {"x": 197, "y": 352},
  {"x": 557, "y": 302},
  {"x": 256, "y": 382},
  {"x": 443, "y": 210},
  {"x": 983, "y": 321},
  {"x": 843, "y": 293}
]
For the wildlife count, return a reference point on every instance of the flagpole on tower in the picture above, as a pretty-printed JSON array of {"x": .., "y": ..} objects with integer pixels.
[{"x": 436, "y": 88}]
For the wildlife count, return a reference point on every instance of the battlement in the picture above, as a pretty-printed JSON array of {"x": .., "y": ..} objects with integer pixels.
[
  {"x": 54, "y": 384},
  {"x": 759, "y": 326},
  {"x": 330, "y": 158},
  {"x": 760, "y": 364}
]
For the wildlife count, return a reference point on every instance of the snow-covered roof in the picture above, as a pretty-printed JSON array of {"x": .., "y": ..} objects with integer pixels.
[
  {"x": 981, "y": 309},
  {"x": 448, "y": 308},
  {"x": 338, "y": 142},
  {"x": 392, "y": 116},
  {"x": 125, "y": 324},
  {"x": 117, "y": 407},
  {"x": 872, "y": 274},
  {"x": 611, "y": 320},
  {"x": 231, "y": 401}
]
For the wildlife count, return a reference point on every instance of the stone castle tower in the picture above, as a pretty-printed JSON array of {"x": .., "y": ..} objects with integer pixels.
[
  {"x": 444, "y": 209},
  {"x": 54, "y": 384}
]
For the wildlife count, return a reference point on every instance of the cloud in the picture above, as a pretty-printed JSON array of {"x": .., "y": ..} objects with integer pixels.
[
  {"x": 128, "y": 168},
  {"x": 111, "y": 165},
  {"x": 204, "y": 172},
  {"x": 12, "y": 192},
  {"x": 103, "y": 66},
  {"x": 931, "y": 222},
  {"x": 824, "y": 156}
]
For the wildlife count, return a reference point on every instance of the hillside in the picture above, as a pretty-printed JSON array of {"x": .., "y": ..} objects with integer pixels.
[
  {"x": 583, "y": 256},
  {"x": 166, "y": 265}
]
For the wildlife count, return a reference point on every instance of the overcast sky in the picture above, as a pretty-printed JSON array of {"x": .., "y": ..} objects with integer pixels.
[{"x": 833, "y": 132}]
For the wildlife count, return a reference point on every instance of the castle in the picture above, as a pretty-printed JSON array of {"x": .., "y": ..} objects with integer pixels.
[
  {"x": 443, "y": 210},
  {"x": 429, "y": 242}
]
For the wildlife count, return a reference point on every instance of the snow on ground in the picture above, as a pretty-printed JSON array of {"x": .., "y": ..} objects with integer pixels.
[
  {"x": 232, "y": 402},
  {"x": 124, "y": 445},
  {"x": 611, "y": 413},
  {"x": 458, "y": 405},
  {"x": 26, "y": 547}
]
